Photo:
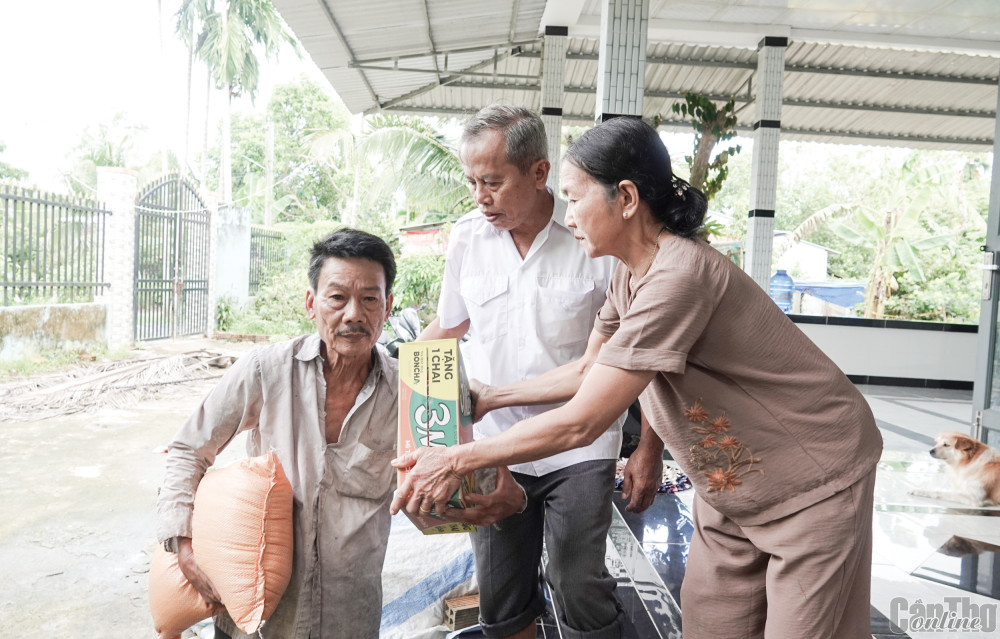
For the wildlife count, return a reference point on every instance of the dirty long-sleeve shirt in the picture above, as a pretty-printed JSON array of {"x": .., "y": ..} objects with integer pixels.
[{"x": 341, "y": 490}]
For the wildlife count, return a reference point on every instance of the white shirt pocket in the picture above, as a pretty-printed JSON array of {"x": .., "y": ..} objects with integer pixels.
[
  {"x": 486, "y": 301},
  {"x": 565, "y": 309}
]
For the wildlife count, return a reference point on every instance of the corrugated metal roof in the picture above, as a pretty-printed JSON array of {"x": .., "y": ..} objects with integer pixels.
[{"x": 921, "y": 74}]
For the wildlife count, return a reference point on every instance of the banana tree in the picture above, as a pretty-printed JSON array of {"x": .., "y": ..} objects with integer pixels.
[
  {"x": 896, "y": 232},
  {"x": 810, "y": 225}
]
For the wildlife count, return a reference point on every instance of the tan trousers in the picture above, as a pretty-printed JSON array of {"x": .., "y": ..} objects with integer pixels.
[{"x": 805, "y": 575}]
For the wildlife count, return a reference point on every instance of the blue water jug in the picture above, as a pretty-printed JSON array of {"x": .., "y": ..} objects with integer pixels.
[{"x": 781, "y": 289}]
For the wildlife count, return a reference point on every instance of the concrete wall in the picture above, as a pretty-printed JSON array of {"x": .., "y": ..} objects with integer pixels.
[
  {"x": 25, "y": 331},
  {"x": 896, "y": 352},
  {"x": 232, "y": 256}
]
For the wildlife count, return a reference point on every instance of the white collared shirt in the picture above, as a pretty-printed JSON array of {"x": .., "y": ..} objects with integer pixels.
[{"x": 527, "y": 316}]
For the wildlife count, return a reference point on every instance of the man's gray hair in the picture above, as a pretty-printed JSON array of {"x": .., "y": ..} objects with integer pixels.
[{"x": 521, "y": 128}]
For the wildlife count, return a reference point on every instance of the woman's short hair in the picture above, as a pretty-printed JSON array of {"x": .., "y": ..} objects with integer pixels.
[{"x": 626, "y": 148}]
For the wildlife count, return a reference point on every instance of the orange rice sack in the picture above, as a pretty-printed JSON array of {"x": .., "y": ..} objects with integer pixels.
[
  {"x": 242, "y": 540},
  {"x": 175, "y": 604}
]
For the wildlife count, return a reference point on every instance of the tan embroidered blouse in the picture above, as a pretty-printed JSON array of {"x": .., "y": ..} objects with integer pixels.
[{"x": 759, "y": 418}]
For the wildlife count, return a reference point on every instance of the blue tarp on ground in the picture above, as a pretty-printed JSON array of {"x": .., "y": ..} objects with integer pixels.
[{"x": 840, "y": 293}]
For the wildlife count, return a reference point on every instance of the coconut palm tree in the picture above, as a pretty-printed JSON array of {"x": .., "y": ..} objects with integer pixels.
[
  {"x": 227, "y": 42},
  {"x": 418, "y": 158},
  {"x": 187, "y": 27},
  {"x": 394, "y": 159},
  {"x": 892, "y": 233}
]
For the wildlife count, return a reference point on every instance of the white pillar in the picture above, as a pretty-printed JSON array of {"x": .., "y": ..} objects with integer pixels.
[
  {"x": 116, "y": 188},
  {"x": 230, "y": 250},
  {"x": 215, "y": 221},
  {"x": 553, "y": 61},
  {"x": 764, "y": 168},
  {"x": 621, "y": 67}
]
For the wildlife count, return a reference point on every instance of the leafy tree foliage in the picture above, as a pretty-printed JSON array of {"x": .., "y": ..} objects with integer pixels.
[
  {"x": 926, "y": 209},
  {"x": 418, "y": 284},
  {"x": 713, "y": 125},
  {"x": 8, "y": 172},
  {"x": 415, "y": 161},
  {"x": 117, "y": 142},
  {"x": 304, "y": 188}
]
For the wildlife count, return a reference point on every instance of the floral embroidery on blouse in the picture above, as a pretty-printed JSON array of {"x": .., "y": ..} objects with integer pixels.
[{"x": 724, "y": 460}]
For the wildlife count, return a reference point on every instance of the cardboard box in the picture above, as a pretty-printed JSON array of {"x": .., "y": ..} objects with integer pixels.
[{"x": 435, "y": 409}]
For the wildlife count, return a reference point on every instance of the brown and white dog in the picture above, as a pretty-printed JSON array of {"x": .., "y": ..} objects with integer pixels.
[{"x": 975, "y": 470}]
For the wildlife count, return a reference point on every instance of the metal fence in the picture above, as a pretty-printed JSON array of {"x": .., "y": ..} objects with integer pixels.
[
  {"x": 266, "y": 251},
  {"x": 53, "y": 247}
]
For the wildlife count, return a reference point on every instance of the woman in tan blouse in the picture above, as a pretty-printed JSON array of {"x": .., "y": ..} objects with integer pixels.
[{"x": 779, "y": 444}]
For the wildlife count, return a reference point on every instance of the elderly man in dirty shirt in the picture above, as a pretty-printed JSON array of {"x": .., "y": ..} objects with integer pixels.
[{"x": 326, "y": 403}]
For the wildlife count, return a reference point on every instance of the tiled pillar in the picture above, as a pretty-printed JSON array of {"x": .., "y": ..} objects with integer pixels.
[
  {"x": 553, "y": 59},
  {"x": 621, "y": 67},
  {"x": 764, "y": 169},
  {"x": 116, "y": 189}
]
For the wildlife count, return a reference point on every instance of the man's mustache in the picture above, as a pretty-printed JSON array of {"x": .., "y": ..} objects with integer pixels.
[{"x": 354, "y": 329}]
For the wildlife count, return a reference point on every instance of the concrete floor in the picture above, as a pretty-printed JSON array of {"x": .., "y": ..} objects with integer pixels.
[{"x": 78, "y": 495}]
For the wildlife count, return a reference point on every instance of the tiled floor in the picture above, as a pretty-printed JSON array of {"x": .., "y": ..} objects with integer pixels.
[{"x": 933, "y": 561}]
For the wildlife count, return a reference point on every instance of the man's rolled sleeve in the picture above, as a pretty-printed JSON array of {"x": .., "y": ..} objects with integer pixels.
[{"x": 231, "y": 407}]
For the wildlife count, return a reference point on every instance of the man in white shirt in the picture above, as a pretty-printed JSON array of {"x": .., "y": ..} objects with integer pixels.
[{"x": 517, "y": 278}]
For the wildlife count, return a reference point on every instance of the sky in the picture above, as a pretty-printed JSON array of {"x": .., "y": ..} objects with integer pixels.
[{"x": 66, "y": 65}]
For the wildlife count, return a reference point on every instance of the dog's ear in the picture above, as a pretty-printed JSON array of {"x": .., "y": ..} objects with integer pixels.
[{"x": 965, "y": 444}]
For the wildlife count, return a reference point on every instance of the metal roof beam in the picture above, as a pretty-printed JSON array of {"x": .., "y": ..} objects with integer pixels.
[
  {"x": 688, "y": 62},
  {"x": 515, "y": 47},
  {"x": 450, "y": 74},
  {"x": 679, "y": 95},
  {"x": 430, "y": 87},
  {"x": 515, "y": 8},
  {"x": 430, "y": 37},
  {"x": 347, "y": 46},
  {"x": 588, "y": 118},
  {"x": 893, "y": 75},
  {"x": 882, "y": 108},
  {"x": 793, "y": 68},
  {"x": 453, "y": 112},
  {"x": 901, "y": 138}
]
